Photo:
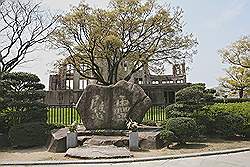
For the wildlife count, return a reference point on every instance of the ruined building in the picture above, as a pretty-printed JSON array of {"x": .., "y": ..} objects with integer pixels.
[{"x": 67, "y": 86}]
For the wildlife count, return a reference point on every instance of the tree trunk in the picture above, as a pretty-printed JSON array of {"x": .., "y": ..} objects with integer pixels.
[{"x": 241, "y": 93}]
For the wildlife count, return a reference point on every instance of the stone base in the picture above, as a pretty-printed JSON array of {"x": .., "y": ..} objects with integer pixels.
[
  {"x": 119, "y": 141},
  {"x": 71, "y": 141},
  {"x": 104, "y": 132},
  {"x": 98, "y": 152},
  {"x": 82, "y": 139},
  {"x": 57, "y": 140},
  {"x": 133, "y": 141},
  {"x": 150, "y": 140}
]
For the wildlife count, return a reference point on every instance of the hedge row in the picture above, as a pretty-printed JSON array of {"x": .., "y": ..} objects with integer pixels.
[
  {"x": 221, "y": 119},
  {"x": 242, "y": 109},
  {"x": 231, "y": 100}
]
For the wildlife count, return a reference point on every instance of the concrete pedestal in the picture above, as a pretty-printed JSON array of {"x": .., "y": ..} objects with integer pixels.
[
  {"x": 133, "y": 141},
  {"x": 71, "y": 141}
]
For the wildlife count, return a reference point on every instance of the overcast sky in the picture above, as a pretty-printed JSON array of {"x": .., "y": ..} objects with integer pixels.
[{"x": 215, "y": 24}]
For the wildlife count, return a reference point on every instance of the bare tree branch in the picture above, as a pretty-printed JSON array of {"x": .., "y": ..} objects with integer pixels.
[{"x": 23, "y": 25}]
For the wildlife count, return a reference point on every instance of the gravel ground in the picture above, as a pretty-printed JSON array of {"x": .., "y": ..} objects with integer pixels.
[
  {"x": 211, "y": 145},
  {"x": 40, "y": 154}
]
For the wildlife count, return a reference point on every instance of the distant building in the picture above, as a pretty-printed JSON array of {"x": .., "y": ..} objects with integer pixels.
[{"x": 160, "y": 88}]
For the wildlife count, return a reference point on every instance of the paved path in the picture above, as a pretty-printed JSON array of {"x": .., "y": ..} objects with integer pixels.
[{"x": 241, "y": 159}]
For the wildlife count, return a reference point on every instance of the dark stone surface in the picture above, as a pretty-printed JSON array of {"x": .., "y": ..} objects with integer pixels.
[
  {"x": 82, "y": 139},
  {"x": 145, "y": 128},
  {"x": 98, "y": 152},
  {"x": 104, "y": 132},
  {"x": 57, "y": 140},
  {"x": 119, "y": 141},
  {"x": 150, "y": 140},
  {"x": 108, "y": 107}
]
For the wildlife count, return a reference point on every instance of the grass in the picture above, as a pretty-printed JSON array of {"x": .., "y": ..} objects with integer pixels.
[
  {"x": 155, "y": 113},
  {"x": 67, "y": 116},
  {"x": 64, "y": 116}
]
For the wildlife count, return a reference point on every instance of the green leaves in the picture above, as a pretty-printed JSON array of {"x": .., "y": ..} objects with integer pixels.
[
  {"x": 237, "y": 79},
  {"x": 131, "y": 31},
  {"x": 21, "y": 95},
  {"x": 238, "y": 53},
  {"x": 238, "y": 75},
  {"x": 184, "y": 129},
  {"x": 195, "y": 94}
]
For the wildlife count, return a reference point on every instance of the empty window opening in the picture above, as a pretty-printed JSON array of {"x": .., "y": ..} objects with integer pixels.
[
  {"x": 83, "y": 83},
  {"x": 155, "y": 82},
  {"x": 140, "y": 81},
  {"x": 69, "y": 84}
]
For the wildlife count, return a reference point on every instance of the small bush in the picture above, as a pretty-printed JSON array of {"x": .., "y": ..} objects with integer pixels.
[
  {"x": 205, "y": 122},
  {"x": 246, "y": 131},
  {"x": 219, "y": 123},
  {"x": 228, "y": 124},
  {"x": 231, "y": 100},
  {"x": 28, "y": 134},
  {"x": 20, "y": 100},
  {"x": 55, "y": 126},
  {"x": 185, "y": 129},
  {"x": 149, "y": 122},
  {"x": 242, "y": 109},
  {"x": 3, "y": 123},
  {"x": 179, "y": 110},
  {"x": 168, "y": 137}
]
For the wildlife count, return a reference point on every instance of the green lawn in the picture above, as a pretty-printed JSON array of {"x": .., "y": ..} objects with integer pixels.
[
  {"x": 67, "y": 116},
  {"x": 156, "y": 113}
]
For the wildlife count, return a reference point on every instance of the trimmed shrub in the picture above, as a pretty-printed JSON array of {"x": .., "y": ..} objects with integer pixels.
[
  {"x": 28, "y": 134},
  {"x": 228, "y": 124},
  {"x": 184, "y": 128},
  {"x": 219, "y": 123},
  {"x": 55, "y": 126},
  {"x": 242, "y": 109},
  {"x": 246, "y": 131},
  {"x": 168, "y": 137},
  {"x": 189, "y": 100},
  {"x": 179, "y": 110},
  {"x": 3, "y": 123},
  {"x": 231, "y": 100},
  {"x": 204, "y": 121},
  {"x": 195, "y": 94},
  {"x": 20, "y": 100}
]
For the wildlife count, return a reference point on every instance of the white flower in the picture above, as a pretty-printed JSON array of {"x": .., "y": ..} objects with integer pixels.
[{"x": 132, "y": 125}]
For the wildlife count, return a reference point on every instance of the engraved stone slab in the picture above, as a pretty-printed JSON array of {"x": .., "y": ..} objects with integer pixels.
[
  {"x": 108, "y": 107},
  {"x": 57, "y": 140},
  {"x": 98, "y": 152},
  {"x": 119, "y": 141}
]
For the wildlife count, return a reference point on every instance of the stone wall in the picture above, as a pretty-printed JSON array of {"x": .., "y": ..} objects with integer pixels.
[{"x": 62, "y": 97}]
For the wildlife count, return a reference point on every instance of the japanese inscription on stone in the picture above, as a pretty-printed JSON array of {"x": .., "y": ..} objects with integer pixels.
[
  {"x": 121, "y": 108},
  {"x": 97, "y": 106}
]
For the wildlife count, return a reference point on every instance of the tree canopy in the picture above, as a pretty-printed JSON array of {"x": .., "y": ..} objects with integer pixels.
[
  {"x": 111, "y": 44},
  {"x": 237, "y": 80},
  {"x": 20, "y": 99},
  {"x": 23, "y": 25},
  {"x": 238, "y": 53}
]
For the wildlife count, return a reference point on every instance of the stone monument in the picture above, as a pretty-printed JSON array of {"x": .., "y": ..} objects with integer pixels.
[{"x": 109, "y": 107}]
